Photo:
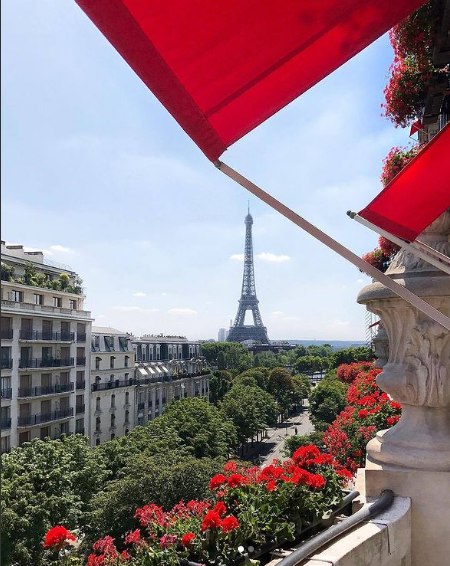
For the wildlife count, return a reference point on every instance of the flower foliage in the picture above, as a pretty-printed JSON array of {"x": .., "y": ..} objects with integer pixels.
[
  {"x": 247, "y": 506},
  {"x": 395, "y": 161},
  {"x": 349, "y": 372},
  {"x": 412, "y": 70},
  {"x": 369, "y": 409},
  {"x": 382, "y": 256}
]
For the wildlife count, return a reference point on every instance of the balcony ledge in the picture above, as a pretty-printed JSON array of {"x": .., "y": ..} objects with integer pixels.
[{"x": 383, "y": 541}]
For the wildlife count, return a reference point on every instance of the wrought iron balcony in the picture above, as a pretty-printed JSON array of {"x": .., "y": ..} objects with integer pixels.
[
  {"x": 80, "y": 384},
  {"x": 81, "y": 361},
  {"x": 37, "y": 335},
  {"x": 81, "y": 337},
  {"x": 47, "y": 390},
  {"x": 7, "y": 334},
  {"x": 33, "y": 363},
  {"x": 80, "y": 409},
  {"x": 6, "y": 423},
  {"x": 31, "y": 420},
  {"x": 7, "y": 393},
  {"x": 7, "y": 363},
  {"x": 112, "y": 385}
]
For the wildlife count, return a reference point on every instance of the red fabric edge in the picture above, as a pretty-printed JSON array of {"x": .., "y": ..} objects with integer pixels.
[
  {"x": 116, "y": 24},
  {"x": 389, "y": 225}
]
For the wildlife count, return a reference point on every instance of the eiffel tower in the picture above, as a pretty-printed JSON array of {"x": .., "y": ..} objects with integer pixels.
[{"x": 248, "y": 301}]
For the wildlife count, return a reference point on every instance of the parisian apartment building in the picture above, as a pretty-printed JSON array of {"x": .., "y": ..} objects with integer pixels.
[
  {"x": 45, "y": 343},
  {"x": 61, "y": 375}
]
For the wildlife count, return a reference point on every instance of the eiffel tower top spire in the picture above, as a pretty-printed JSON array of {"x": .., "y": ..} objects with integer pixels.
[{"x": 248, "y": 301}]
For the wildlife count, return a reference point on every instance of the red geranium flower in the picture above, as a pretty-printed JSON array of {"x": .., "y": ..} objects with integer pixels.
[
  {"x": 211, "y": 520},
  {"x": 271, "y": 486},
  {"x": 187, "y": 539},
  {"x": 229, "y": 523},
  {"x": 236, "y": 480},
  {"x": 220, "y": 508},
  {"x": 133, "y": 537},
  {"x": 57, "y": 536},
  {"x": 217, "y": 481}
]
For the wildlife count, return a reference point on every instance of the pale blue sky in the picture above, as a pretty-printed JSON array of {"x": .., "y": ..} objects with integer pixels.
[{"x": 94, "y": 166}]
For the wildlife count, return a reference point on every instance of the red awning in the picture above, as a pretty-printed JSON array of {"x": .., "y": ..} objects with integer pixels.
[
  {"x": 418, "y": 195},
  {"x": 222, "y": 68}
]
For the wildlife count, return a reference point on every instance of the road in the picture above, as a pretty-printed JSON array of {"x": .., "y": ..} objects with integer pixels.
[{"x": 271, "y": 446}]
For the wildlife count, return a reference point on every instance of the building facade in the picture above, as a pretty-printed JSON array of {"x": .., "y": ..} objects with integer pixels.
[
  {"x": 45, "y": 363},
  {"x": 112, "y": 385},
  {"x": 151, "y": 348},
  {"x": 222, "y": 335}
]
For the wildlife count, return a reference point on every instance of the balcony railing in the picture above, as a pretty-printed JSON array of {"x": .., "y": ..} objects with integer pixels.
[
  {"x": 45, "y": 362},
  {"x": 7, "y": 364},
  {"x": 81, "y": 337},
  {"x": 37, "y": 335},
  {"x": 80, "y": 409},
  {"x": 17, "y": 305},
  {"x": 31, "y": 420},
  {"x": 7, "y": 393},
  {"x": 7, "y": 334},
  {"x": 6, "y": 423},
  {"x": 47, "y": 390},
  {"x": 80, "y": 384},
  {"x": 112, "y": 385},
  {"x": 81, "y": 361}
]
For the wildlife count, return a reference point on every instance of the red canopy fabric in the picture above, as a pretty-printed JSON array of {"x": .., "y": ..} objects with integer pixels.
[
  {"x": 418, "y": 195},
  {"x": 222, "y": 68}
]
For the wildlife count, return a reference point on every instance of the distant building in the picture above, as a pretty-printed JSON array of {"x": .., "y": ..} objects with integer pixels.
[
  {"x": 150, "y": 348},
  {"x": 222, "y": 335},
  {"x": 44, "y": 338},
  {"x": 112, "y": 384}
]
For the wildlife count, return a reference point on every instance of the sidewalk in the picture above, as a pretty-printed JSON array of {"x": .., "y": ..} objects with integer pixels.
[{"x": 271, "y": 446}]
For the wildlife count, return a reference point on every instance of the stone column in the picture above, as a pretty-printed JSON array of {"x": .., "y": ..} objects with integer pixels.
[{"x": 413, "y": 457}]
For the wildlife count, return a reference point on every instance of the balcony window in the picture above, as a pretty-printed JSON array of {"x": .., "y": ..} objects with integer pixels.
[
  {"x": 57, "y": 302},
  {"x": 127, "y": 358},
  {"x": 96, "y": 343},
  {"x": 97, "y": 362},
  {"x": 97, "y": 404},
  {"x": 24, "y": 437},
  {"x": 16, "y": 296},
  {"x": 109, "y": 343},
  {"x": 97, "y": 441},
  {"x": 113, "y": 401},
  {"x": 79, "y": 426},
  {"x": 73, "y": 304},
  {"x": 38, "y": 299},
  {"x": 113, "y": 436},
  {"x": 112, "y": 361},
  {"x": 123, "y": 343},
  {"x": 6, "y": 444},
  {"x": 98, "y": 423}
]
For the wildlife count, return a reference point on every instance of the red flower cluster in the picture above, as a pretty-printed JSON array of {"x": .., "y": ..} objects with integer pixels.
[
  {"x": 187, "y": 539},
  {"x": 58, "y": 536},
  {"x": 347, "y": 373},
  {"x": 212, "y": 520},
  {"x": 105, "y": 552},
  {"x": 376, "y": 258},
  {"x": 396, "y": 160},
  {"x": 368, "y": 410}
]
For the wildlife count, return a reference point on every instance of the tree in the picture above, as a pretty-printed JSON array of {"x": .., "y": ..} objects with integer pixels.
[
  {"x": 350, "y": 355},
  {"x": 259, "y": 374},
  {"x": 163, "y": 479},
  {"x": 250, "y": 408},
  {"x": 7, "y": 272},
  {"x": 302, "y": 389},
  {"x": 309, "y": 364},
  {"x": 227, "y": 355},
  {"x": 292, "y": 443},
  {"x": 46, "y": 483},
  {"x": 219, "y": 383},
  {"x": 326, "y": 401},
  {"x": 281, "y": 387},
  {"x": 155, "y": 437},
  {"x": 266, "y": 359},
  {"x": 201, "y": 427}
]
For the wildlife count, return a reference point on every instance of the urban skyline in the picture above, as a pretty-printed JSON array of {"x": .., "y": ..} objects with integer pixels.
[{"x": 126, "y": 199}]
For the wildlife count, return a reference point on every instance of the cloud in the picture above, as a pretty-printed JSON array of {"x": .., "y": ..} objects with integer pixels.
[
  {"x": 273, "y": 258},
  {"x": 61, "y": 249},
  {"x": 182, "y": 312},
  {"x": 164, "y": 294},
  {"x": 277, "y": 314},
  {"x": 139, "y": 294},
  {"x": 134, "y": 309},
  {"x": 360, "y": 280},
  {"x": 237, "y": 257}
]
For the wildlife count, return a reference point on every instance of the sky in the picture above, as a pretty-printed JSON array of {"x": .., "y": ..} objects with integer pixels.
[{"x": 99, "y": 176}]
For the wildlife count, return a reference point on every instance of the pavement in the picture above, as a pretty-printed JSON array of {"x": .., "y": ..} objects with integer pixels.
[{"x": 271, "y": 446}]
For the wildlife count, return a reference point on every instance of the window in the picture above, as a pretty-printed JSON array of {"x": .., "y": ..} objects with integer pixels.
[
  {"x": 126, "y": 361},
  {"x": 97, "y": 404},
  {"x": 24, "y": 437},
  {"x": 113, "y": 436},
  {"x": 17, "y": 296},
  {"x": 123, "y": 343},
  {"x": 127, "y": 417},
  {"x": 73, "y": 304},
  {"x": 113, "y": 420},
  {"x": 98, "y": 423},
  {"x": 109, "y": 343},
  {"x": 79, "y": 426},
  {"x": 127, "y": 398},
  {"x": 113, "y": 401},
  {"x": 6, "y": 446},
  {"x": 112, "y": 361},
  {"x": 97, "y": 362},
  {"x": 97, "y": 442},
  {"x": 38, "y": 299},
  {"x": 96, "y": 343},
  {"x": 57, "y": 302}
]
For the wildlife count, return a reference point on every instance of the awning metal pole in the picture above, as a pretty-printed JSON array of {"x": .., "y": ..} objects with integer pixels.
[
  {"x": 402, "y": 243},
  {"x": 399, "y": 290}
]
